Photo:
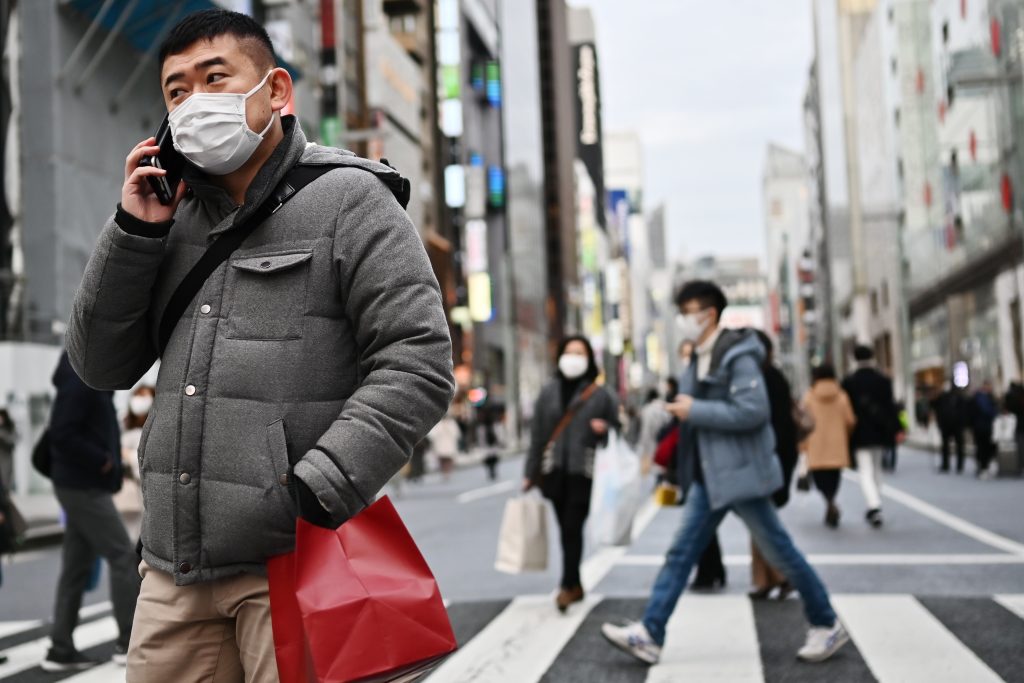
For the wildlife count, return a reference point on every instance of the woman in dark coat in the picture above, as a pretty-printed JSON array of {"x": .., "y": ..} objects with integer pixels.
[
  {"x": 764, "y": 577},
  {"x": 561, "y": 461}
]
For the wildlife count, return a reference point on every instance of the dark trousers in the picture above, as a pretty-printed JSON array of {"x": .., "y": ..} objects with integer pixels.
[
  {"x": 985, "y": 447},
  {"x": 710, "y": 568},
  {"x": 948, "y": 438},
  {"x": 827, "y": 482},
  {"x": 570, "y": 496},
  {"x": 94, "y": 528}
]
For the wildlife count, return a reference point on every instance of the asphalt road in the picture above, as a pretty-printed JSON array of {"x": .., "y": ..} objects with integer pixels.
[{"x": 936, "y": 594}]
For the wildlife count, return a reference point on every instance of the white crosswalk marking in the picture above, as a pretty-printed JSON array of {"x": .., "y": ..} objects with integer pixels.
[
  {"x": 1014, "y": 603},
  {"x": 30, "y": 654},
  {"x": 519, "y": 645},
  {"x": 710, "y": 638},
  {"x": 105, "y": 673},
  {"x": 900, "y": 640}
]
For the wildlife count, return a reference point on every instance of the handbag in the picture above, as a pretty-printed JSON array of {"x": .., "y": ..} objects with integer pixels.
[
  {"x": 804, "y": 421},
  {"x": 666, "y": 451},
  {"x": 42, "y": 459},
  {"x": 357, "y": 603},
  {"x": 523, "y": 540},
  {"x": 803, "y": 476},
  {"x": 12, "y": 531}
]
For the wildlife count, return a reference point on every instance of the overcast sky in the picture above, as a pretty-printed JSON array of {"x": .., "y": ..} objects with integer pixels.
[{"x": 707, "y": 84}]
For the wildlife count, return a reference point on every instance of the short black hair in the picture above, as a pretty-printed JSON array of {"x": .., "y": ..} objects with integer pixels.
[
  {"x": 863, "y": 353},
  {"x": 707, "y": 293},
  {"x": 208, "y": 24},
  {"x": 822, "y": 372}
]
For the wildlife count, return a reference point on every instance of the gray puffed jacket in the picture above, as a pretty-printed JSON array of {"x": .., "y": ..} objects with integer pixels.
[{"x": 319, "y": 350}]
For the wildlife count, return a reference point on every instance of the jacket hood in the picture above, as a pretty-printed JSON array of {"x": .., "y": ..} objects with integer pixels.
[
  {"x": 826, "y": 390},
  {"x": 735, "y": 343}
]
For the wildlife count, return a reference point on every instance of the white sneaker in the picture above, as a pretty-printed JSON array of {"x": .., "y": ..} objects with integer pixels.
[
  {"x": 633, "y": 639},
  {"x": 823, "y": 642}
]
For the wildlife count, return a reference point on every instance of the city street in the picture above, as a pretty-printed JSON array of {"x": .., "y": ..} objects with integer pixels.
[{"x": 937, "y": 594}]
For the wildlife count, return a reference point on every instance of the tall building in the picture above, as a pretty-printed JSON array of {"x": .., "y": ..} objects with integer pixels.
[
  {"x": 524, "y": 160},
  {"x": 787, "y": 216},
  {"x": 961, "y": 164},
  {"x": 558, "y": 124}
]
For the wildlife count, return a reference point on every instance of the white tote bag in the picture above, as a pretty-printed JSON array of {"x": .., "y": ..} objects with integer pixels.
[
  {"x": 617, "y": 492},
  {"x": 523, "y": 540}
]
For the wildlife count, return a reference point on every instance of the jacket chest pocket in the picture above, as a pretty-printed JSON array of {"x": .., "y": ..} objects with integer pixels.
[{"x": 268, "y": 296}]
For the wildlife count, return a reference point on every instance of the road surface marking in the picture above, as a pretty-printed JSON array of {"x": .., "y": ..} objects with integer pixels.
[
  {"x": 104, "y": 673},
  {"x": 486, "y": 491},
  {"x": 30, "y": 654},
  {"x": 888, "y": 628},
  {"x": 952, "y": 521},
  {"x": 1014, "y": 603},
  {"x": 710, "y": 638},
  {"x": 9, "y": 628},
  {"x": 849, "y": 560},
  {"x": 597, "y": 566},
  {"x": 519, "y": 645}
]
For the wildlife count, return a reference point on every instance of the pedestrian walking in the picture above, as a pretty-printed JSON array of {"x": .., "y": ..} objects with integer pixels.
[
  {"x": 983, "y": 413},
  {"x": 950, "y": 408},
  {"x": 828, "y": 446},
  {"x": 571, "y": 418},
  {"x": 8, "y": 441},
  {"x": 878, "y": 424},
  {"x": 653, "y": 418},
  {"x": 727, "y": 463},
  {"x": 764, "y": 577},
  {"x": 7, "y": 537},
  {"x": 128, "y": 500},
  {"x": 1013, "y": 403},
  {"x": 298, "y": 367},
  {"x": 85, "y": 454},
  {"x": 445, "y": 441}
]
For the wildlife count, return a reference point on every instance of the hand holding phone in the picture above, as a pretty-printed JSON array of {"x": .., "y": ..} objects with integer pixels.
[{"x": 152, "y": 178}]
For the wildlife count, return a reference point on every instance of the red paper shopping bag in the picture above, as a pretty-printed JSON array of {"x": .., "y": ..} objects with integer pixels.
[{"x": 356, "y": 604}]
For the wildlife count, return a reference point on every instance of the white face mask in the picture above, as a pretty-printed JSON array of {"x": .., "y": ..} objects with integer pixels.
[
  {"x": 691, "y": 326},
  {"x": 140, "y": 405},
  {"x": 573, "y": 366},
  {"x": 210, "y": 130}
]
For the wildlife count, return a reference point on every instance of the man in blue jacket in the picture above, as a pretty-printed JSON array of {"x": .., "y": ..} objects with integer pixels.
[{"x": 727, "y": 462}]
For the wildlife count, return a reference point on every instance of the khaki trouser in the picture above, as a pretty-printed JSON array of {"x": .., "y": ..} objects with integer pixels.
[{"x": 216, "y": 632}]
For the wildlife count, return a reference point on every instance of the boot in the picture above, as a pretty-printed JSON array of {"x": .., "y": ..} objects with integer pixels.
[{"x": 568, "y": 596}]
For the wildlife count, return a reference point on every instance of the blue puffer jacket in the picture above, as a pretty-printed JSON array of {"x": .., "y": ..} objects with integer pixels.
[{"x": 731, "y": 424}]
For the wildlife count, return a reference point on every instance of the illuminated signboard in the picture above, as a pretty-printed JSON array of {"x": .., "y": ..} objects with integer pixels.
[
  {"x": 496, "y": 186},
  {"x": 480, "y": 309},
  {"x": 494, "y": 84}
]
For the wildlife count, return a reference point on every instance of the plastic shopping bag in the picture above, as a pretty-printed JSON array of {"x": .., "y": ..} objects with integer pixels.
[
  {"x": 523, "y": 540},
  {"x": 356, "y": 604},
  {"x": 617, "y": 493}
]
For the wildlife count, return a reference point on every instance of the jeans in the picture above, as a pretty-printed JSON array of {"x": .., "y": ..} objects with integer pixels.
[
  {"x": 869, "y": 466},
  {"x": 699, "y": 523},
  {"x": 93, "y": 528}
]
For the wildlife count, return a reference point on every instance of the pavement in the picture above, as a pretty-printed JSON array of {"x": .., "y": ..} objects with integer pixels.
[{"x": 936, "y": 594}]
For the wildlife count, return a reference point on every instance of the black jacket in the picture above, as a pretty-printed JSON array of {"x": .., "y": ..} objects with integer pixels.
[
  {"x": 878, "y": 419},
  {"x": 780, "y": 396},
  {"x": 84, "y": 435},
  {"x": 951, "y": 410}
]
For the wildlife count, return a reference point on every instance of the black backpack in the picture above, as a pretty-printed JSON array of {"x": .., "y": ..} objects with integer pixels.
[{"x": 42, "y": 459}]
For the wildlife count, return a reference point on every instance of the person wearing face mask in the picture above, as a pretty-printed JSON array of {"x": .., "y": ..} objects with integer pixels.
[
  {"x": 571, "y": 418},
  {"x": 727, "y": 462},
  {"x": 128, "y": 500},
  {"x": 296, "y": 380}
]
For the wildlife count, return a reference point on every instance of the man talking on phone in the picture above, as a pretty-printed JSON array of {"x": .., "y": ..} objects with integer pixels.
[{"x": 308, "y": 363}]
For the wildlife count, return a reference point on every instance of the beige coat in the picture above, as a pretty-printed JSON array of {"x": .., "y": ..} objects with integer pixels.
[{"x": 828, "y": 446}]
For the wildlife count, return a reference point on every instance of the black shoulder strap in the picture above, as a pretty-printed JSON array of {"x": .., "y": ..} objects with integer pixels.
[{"x": 227, "y": 243}]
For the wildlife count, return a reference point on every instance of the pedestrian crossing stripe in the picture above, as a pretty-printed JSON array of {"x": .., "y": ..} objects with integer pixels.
[{"x": 725, "y": 638}]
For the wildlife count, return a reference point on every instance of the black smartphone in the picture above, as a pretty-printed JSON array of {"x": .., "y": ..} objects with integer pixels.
[{"x": 170, "y": 160}]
